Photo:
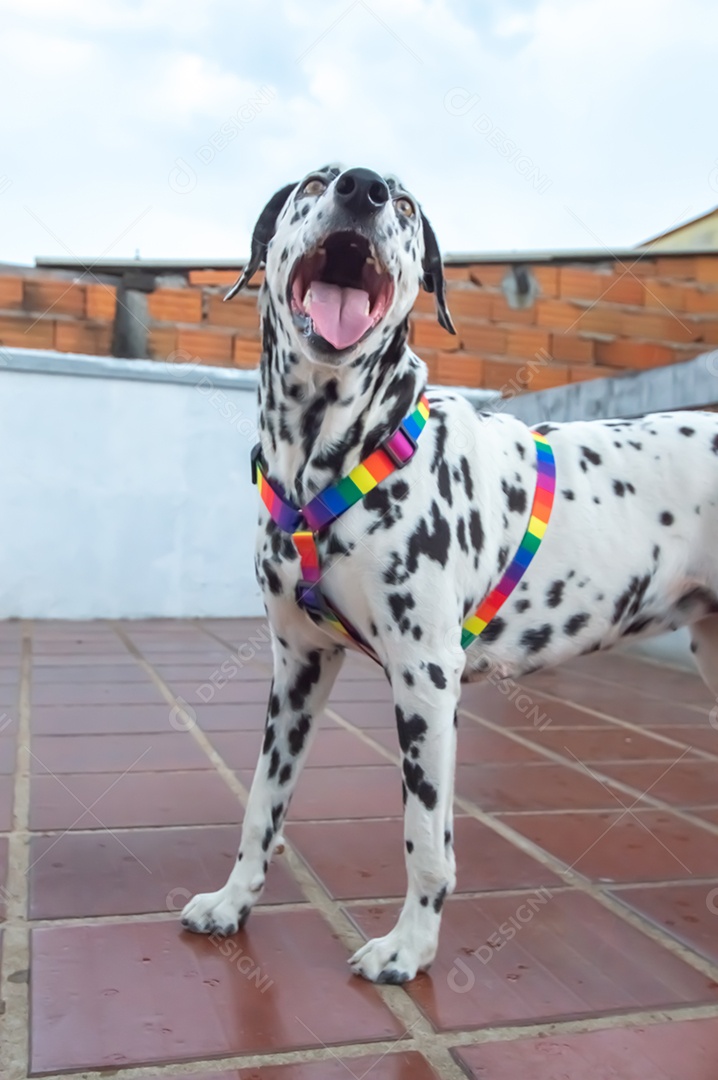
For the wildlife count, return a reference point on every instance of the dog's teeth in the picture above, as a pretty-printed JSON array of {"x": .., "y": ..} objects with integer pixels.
[
  {"x": 321, "y": 251},
  {"x": 368, "y": 306},
  {"x": 307, "y": 299},
  {"x": 371, "y": 262}
]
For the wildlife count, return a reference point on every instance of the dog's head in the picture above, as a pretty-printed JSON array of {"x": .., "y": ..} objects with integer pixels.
[{"x": 345, "y": 253}]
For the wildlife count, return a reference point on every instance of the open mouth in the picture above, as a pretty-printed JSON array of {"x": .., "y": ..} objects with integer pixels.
[{"x": 340, "y": 291}]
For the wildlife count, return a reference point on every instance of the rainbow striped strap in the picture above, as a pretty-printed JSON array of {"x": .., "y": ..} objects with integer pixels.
[
  {"x": 393, "y": 454},
  {"x": 311, "y": 599},
  {"x": 336, "y": 499},
  {"x": 540, "y": 514}
]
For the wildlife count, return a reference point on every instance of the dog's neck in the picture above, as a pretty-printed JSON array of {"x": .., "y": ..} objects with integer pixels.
[{"x": 316, "y": 421}]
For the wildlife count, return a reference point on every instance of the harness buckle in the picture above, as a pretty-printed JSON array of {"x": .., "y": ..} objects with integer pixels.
[
  {"x": 254, "y": 458},
  {"x": 391, "y": 453},
  {"x": 307, "y": 598}
]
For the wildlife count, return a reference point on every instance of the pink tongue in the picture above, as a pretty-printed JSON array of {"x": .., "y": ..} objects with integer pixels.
[{"x": 339, "y": 314}]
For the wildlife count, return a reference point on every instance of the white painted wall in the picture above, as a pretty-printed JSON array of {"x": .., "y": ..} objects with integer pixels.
[{"x": 125, "y": 489}]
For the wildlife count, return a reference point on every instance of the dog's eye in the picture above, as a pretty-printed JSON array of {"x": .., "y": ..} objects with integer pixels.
[
  {"x": 405, "y": 206},
  {"x": 314, "y": 187}
]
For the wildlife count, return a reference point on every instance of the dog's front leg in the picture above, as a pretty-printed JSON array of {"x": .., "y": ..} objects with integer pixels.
[
  {"x": 425, "y": 713},
  {"x": 301, "y": 685}
]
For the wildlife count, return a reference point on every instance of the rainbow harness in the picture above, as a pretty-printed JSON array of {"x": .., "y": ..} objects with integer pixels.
[{"x": 305, "y": 523}]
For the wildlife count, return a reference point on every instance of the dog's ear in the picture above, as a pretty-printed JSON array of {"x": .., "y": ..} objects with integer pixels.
[
  {"x": 433, "y": 280},
  {"x": 263, "y": 233}
]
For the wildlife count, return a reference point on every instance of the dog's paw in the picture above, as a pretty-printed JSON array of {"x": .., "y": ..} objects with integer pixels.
[
  {"x": 391, "y": 959},
  {"x": 215, "y": 913}
]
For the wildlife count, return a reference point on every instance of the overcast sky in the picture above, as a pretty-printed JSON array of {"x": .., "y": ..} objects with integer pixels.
[{"x": 517, "y": 123}]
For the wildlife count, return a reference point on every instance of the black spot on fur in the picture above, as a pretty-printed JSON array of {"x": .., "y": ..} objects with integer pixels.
[
  {"x": 409, "y": 846},
  {"x": 434, "y": 544},
  {"x": 619, "y": 488},
  {"x": 630, "y": 600},
  {"x": 399, "y": 604},
  {"x": 268, "y": 739},
  {"x": 411, "y": 730},
  {"x": 466, "y": 477},
  {"x": 591, "y": 455},
  {"x": 273, "y": 764},
  {"x": 568, "y": 494},
  {"x": 666, "y": 518},
  {"x": 272, "y": 578},
  {"x": 494, "y": 630},
  {"x": 554, "y": 593},
  {"x": 576, "y": 623},
  {"x": 536, "y": 639},
  {"x": 306, "y": 679},
  {"x": 476, "y": 531},
  {"x": 545, "y": 429},
  {"x": 522, "y": 605},
  {"x": 688, "y": 431},
  {"x": 515, "y": 497},
  {"x": 418, "y": 785},
  {"x": 439, "y": 899},
  {"x": 461, "y": 535},
  {"x": 298, "y": 734},
  {"x": 285, "y": 773},
  {"x": 437, "y": 676}
]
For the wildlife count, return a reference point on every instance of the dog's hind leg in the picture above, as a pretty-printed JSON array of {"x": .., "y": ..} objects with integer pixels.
[
  {"x": 301, "y": 685},
  {"x": 704, "y": 646},
  {"x": 425, "y": 713}
]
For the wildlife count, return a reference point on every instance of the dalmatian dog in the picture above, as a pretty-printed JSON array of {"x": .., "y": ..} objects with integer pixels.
[{"x": 631, "y": 547}]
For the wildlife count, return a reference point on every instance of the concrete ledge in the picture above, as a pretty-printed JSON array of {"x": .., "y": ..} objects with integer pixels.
[
  {"x": 47, "y": 362},
  {"x": 689, "y": 385}
]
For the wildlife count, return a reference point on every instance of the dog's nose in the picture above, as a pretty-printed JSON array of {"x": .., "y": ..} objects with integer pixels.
[{"x": 361, "y": 191}]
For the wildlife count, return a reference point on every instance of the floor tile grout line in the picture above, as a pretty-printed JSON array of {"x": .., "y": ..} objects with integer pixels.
[
  {"x": 444, "y": 1040},
  {"x": 446, "y": 1037},
  {"x": 127, "y": 918},
  {"x": 612, "y": 681},
  {"x": 16, "y": 933},
  {"x": 397, "y": 1001},
  {"x": 283, "y": 908},
  {"x": 553, "y": 756},
  {"x": 699, "y": 710},
  {"x": 579, "y": 881}
]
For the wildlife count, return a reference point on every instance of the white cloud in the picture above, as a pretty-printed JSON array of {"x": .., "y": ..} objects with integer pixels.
[{"x": 604, "y": 100}]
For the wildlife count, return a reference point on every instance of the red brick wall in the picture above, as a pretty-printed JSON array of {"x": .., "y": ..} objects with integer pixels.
[{"x": 589, "y": 319}]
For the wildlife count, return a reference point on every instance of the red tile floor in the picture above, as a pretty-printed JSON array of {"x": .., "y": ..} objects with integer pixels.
[{"x": 582, "y": 940}]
